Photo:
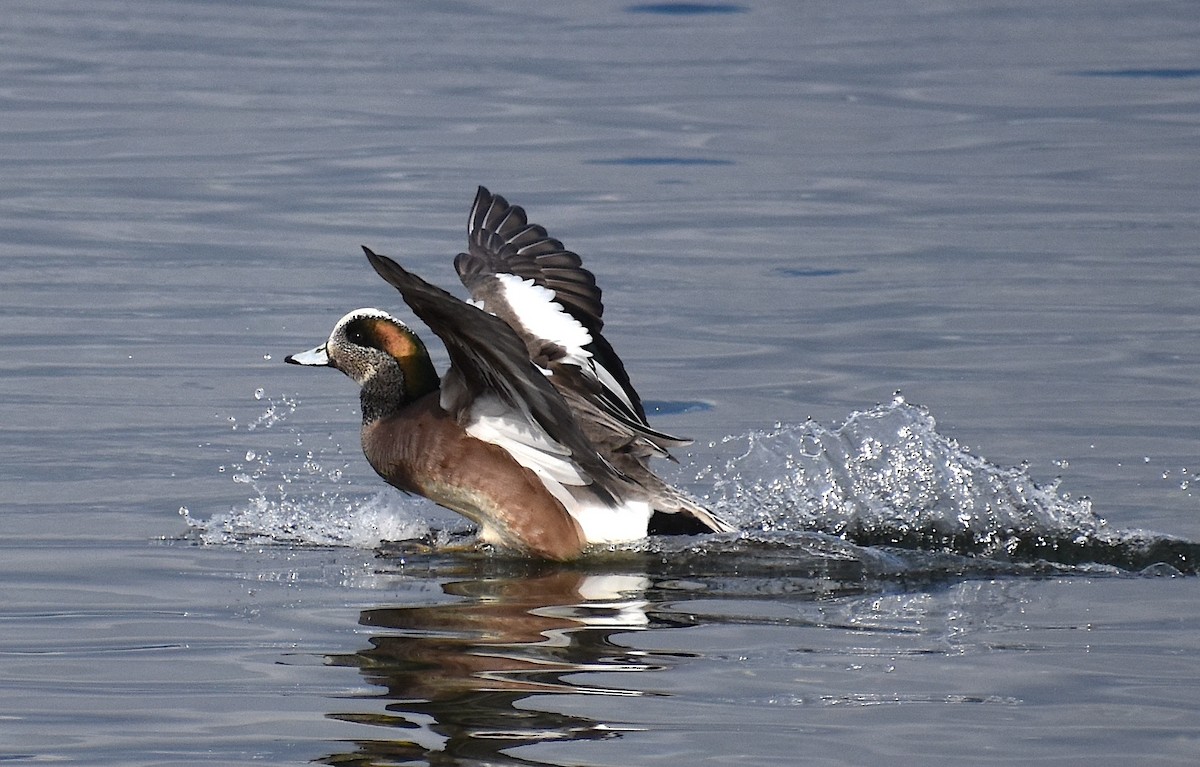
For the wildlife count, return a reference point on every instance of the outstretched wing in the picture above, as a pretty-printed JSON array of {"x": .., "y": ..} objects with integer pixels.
[
  {"x": 489, "y": 361},
  {"x": 500, "y": 240},
  {"x": 517, "y": 272}
]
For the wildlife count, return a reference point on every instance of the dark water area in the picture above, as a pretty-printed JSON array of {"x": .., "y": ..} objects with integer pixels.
[{"x": 920, "y": 280}]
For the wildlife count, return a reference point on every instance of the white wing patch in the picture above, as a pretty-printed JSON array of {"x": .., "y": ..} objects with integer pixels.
[
  {"x": 522, "y": 438},
  {"x": 539, "y": 313},
  {"x": 537, "y": 310},
  {"x": 512, "y": 430}
]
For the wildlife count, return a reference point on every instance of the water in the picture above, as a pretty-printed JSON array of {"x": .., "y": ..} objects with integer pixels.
[{"x": 795, "y": 211}]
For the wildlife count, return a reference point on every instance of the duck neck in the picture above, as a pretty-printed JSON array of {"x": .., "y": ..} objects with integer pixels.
[{"x": 394, "y": 387}]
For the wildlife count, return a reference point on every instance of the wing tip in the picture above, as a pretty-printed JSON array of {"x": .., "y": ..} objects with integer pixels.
[{"x": 392, "y": 273}]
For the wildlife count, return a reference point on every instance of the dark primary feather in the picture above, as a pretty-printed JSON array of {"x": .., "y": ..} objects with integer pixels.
[
  {"x": 486, "y": 355},
  {"x": 502, "y": 241}
]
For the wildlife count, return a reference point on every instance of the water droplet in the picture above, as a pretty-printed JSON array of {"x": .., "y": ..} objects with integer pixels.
[
  {"x": 258, "y": 393},
  {"x": 266, "y": 356},
  {"x": 251, "y": 455}
]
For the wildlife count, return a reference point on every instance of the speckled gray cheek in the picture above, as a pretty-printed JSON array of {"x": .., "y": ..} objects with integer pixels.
[
  {"x": 355, "y": 361},
  {"x": 381, "y": 379}
]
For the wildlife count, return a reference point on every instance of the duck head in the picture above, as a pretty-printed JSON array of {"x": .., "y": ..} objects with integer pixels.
[{"x": 381, "y": 354}]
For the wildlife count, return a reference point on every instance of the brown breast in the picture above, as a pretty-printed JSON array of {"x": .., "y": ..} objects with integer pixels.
[{"x": 423, "y": 450}]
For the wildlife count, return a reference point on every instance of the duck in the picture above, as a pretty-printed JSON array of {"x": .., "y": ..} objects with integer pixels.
[{"x": 535, "y": 432}]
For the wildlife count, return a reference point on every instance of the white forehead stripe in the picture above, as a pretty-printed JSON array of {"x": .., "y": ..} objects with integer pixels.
[{"x": 364, "y": 312}]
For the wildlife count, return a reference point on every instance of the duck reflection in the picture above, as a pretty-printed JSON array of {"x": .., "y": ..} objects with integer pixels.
[{"x": 455, "y": 674}]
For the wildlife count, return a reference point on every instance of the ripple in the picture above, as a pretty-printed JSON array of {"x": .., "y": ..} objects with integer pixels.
[
  {"x": 658, "y": 160},
  {"x": 1151, "y": 73},
  {"x": 687, "y": 9}
]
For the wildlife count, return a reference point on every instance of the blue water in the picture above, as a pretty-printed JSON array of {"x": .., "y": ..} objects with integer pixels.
[{"x": 795, "y": 210}]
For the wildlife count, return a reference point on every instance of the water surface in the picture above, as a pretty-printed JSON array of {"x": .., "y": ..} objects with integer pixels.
[{"x": 795, "y": 211}]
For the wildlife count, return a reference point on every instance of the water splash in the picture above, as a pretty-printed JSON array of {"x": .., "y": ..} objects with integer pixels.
[
  {"x": 323, "y": 519},
  {"x": 276, "y": 412},
  {"x": 302, "y": 496},
  {"x": 886, "y": 477}
]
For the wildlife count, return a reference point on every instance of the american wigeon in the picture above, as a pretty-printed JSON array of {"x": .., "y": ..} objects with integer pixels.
[{"x": 535, "y": 432}]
